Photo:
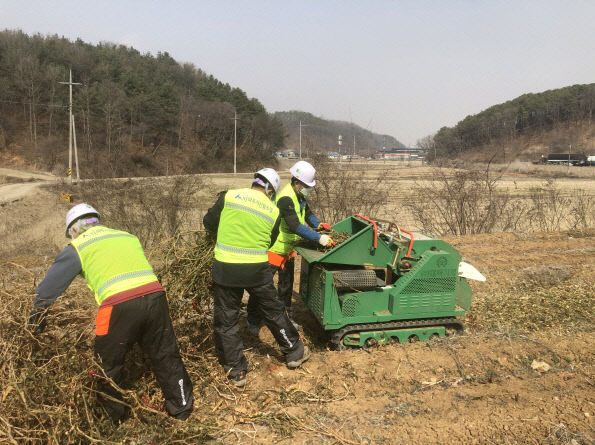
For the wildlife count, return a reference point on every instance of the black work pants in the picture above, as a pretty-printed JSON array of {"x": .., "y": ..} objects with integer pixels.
[
  {"x": 228, "y": 343},
  {"x": 144, "y": 320},
  {"x": 284, "y": 292}
]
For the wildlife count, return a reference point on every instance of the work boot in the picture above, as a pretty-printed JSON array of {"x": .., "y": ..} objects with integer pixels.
[
  {"x": 295, "y": 363},
  {"x": 239, "y": 380},
  {"x": 253, "y": 329}
]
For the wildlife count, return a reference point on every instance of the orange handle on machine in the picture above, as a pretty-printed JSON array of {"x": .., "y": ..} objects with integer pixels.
[
  {"x": 410, "y": 241},
  {"x": 365, "y": 218}
]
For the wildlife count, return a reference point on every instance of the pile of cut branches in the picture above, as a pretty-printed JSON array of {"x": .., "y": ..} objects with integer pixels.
[
  {"x": 49, "y": 382},
  {"x": 337, "y": 237},
  {"x": 188, "y": 259}
]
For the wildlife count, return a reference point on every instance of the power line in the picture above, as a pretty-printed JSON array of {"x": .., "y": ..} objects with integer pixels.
[{"x": 31, "y": 103}]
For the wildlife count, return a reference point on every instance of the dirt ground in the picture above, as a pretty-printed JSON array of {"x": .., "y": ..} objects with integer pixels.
[
  {"x": 521, "y": 374},
  {"x": 476, "y": 388}
]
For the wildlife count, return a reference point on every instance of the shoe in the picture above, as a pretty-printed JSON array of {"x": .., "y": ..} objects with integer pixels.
[
  {"x": 253, "y": 329},
  {"x": 239, "y": 380},
  {"x": 294, "y": 364}
]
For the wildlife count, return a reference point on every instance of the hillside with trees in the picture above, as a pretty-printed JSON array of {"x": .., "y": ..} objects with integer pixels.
[
  {"x": 522, "y": 128},
  {"x": 135, "y": 114},
  {"x": 321, "y": 135}
]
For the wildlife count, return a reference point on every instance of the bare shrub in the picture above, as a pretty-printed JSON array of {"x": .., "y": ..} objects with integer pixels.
[
  {"x": 554, "y": 209},
  {"x": 582, "y": 213},
  {"x": 47, "y": 152},
  {"x": 466, "y": 202},
  {"x": 151, "y": 209},
  {"x": 549, "y": 207},
  {"x": 340, "y": 193}
]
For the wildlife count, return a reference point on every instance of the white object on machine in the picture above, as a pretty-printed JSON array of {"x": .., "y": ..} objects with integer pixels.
[{"x": 466, "y": 270}]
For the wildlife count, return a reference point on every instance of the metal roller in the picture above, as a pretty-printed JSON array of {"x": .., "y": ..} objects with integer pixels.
[{"x": 357, "y": 279}]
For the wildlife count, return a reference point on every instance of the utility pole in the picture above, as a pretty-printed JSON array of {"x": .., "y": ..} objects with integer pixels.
[
  {"x": 235, "y": 138},
  {"x": 76, "y": 153},
  {"x": 301, "y": 125},
  {"x": 70, "y": 84}
]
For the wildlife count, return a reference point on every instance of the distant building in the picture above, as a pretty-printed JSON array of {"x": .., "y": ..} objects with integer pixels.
[{"x": 287, "y": 154}]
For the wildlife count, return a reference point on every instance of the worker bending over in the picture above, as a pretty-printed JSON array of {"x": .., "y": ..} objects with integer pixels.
[
  {"x": 132, "y": 308},
  {"x": 295, "y": 214},
  {"x": 246, "y": 222}
]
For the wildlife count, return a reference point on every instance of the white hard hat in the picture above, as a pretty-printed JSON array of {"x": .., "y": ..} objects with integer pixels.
[
  {"x": 271, "y": 176},
  {"x": 77, "y": 212},
  {"x": 304, "y": 172}
]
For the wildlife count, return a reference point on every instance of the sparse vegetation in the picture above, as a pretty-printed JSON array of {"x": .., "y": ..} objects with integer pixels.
[
  {"x": 471, "y": 202},
  {"x": 152, "y": 209},
  {"x": 342, "y": 192},
  {"x": 536, "y": 305}
]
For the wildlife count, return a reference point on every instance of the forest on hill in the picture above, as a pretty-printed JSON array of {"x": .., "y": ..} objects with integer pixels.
[
  {"x": 527, "y": 116},
  {"x": 135, "y": 114},
  {"x": 321, "y": 135}
]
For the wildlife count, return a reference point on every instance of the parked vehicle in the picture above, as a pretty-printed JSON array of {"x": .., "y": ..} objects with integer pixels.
[{"x": 565, "y": 159}]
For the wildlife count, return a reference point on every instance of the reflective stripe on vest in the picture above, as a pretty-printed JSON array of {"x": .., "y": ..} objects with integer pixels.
[
  {"x": 91, "y": 241},
  {"x": 249, "y": 210},
  {"x": 245, "y": 227},
  {"x": 287, "y": 240},
  {"x": 123, "y": 277},
  {"x": 112, "y": 261}
]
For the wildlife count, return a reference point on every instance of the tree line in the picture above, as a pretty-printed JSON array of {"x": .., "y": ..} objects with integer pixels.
[
  {"x": 526, "y": 115},
  {"x": 321, "y": 135},
  {"x": 135, "y": 114}
]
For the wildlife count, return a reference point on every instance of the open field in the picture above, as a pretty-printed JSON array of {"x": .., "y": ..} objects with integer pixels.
[{"x": 487, "y": 386}]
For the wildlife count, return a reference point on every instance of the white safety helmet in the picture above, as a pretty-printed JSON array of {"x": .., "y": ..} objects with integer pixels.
[
  {"x": 271, "y": 176},
  {"x": 77, "y": 212},
  {"x": 304, "y": 172}
]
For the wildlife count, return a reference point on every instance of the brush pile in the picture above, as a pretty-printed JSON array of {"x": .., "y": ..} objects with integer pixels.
[
  {"x": 186, "y": 274},
  {"x": 48, "y": 383}
]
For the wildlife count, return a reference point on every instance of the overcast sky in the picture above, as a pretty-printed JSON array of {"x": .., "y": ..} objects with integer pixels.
[{"x": 404, "y": 68}]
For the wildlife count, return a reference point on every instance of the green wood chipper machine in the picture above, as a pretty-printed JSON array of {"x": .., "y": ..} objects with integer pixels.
[{"x": 384, "y": 284}]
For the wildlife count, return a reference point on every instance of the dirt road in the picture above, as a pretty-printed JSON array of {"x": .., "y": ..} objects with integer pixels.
[{"x": 16, "y": 184}]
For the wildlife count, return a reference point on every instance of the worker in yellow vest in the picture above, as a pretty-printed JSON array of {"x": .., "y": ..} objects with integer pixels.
[
  {"x": 132, "y": 308},
  {"x": 246, "y": 224},
  {"x": 297, "y": 222}
]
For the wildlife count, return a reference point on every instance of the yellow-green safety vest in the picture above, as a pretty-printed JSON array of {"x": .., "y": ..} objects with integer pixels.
[
  {"x": 245, "y": 227},
  {"x": 287, "y": 240},
  {"x": 112, "y": 261}
]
